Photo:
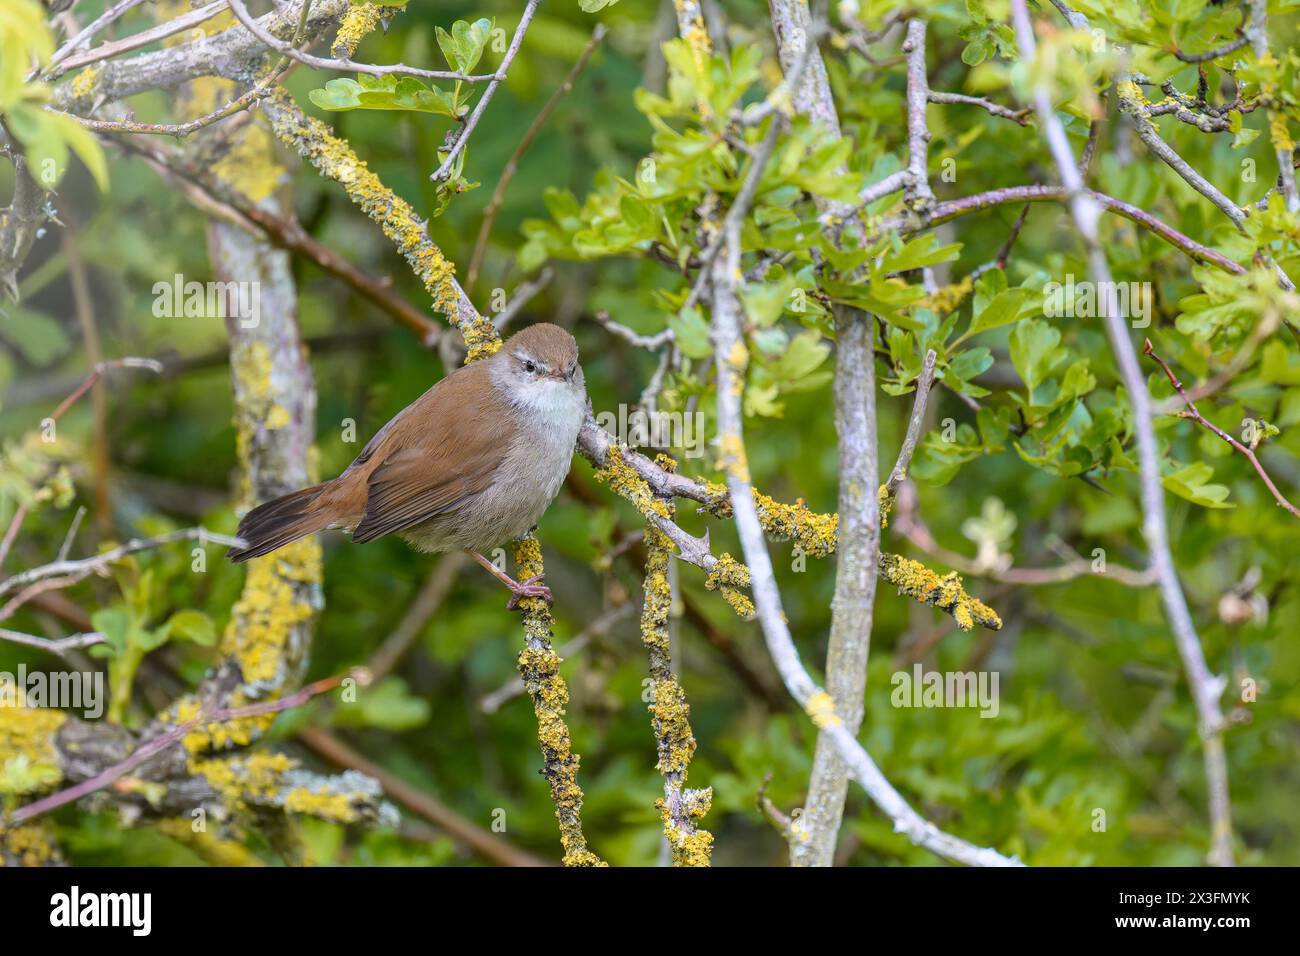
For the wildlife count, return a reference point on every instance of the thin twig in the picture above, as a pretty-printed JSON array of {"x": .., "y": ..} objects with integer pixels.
[
  {"x": 11, "y": 532},
  {"x": 82, "y": 567},
  {"x": 342, "y": 63},
  {"x": 104, "y": 51},
  {"x": 914, "y": 424},
  {"x": 996, "y": 109},
  {"x": 1195, "y": 415},
  {"x": 444, "y": 170},
  {"x": 59, "y": 646},
  {"x": 153, "y": 365},
  {"x": 512, "y": 164},
  {"x": 86, "y": 34},
  {"x": 524, "y": 294}
]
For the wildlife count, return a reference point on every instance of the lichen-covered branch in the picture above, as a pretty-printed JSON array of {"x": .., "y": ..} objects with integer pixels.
[
  {"x": 539, "y": 666},
  {"x": 670, "y": 714},
  {"x": 167, "y": 774},
  {"x": 538, "y": 663},
  {"x": 731, "y": 357}
]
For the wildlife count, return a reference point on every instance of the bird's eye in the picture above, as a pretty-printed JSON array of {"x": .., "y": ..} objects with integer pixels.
[{"x": 530, "y": 367}]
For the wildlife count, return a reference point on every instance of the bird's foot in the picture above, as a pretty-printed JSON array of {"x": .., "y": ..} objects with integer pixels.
[{"x": 520, "y": 590}]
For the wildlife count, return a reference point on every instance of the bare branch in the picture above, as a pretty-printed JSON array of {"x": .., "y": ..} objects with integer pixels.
[
  {"x": 61, "y": 65},
  {"x": 914, "y": 424},
  {"x": 918, "y": 132},
  {"x": 59, "y": 646},
  {"x": 512, "y": 164}
]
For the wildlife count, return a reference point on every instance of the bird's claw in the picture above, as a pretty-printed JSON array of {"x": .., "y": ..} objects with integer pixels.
[{"x": 529, "y": 589}]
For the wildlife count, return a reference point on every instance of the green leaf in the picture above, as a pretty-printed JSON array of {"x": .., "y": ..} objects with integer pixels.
[
  {"x": 463, "y": 46},
  {"x": 114, "y": 622},
  {"x": 918, "y": 253},
  {"x": 1193, "y": 483},
  {"x": 1035, "y": 351},
  {"x": 384, "y": 93},
  {"x": 1005, "y": 308},
  {"x": 388, "y": 705},
  {"x": 806, "y": 352},
  {"x": 765, "y": 301},
  {"x": 691, "y": 333},
  {"x": 193, "y": 626},
  {"x": 37, "y": 336}
]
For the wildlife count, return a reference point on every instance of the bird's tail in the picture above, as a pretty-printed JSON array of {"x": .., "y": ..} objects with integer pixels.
[{"x": 281, "y": 521}]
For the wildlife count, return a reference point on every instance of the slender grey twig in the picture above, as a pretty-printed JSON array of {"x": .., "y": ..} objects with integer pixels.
[
  {"x": 443, "y": 171},
  {"x": 1206, "y": 687}
]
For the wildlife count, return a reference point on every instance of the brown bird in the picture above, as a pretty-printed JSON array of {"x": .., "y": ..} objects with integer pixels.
[{"x": 470, "y": 464}]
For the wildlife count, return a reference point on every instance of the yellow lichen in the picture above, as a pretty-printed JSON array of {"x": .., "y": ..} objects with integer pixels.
[
  {"x": 278, "y": 417},
  {"x": 83, "y": 84},
  {"x": 669, "y": 712},
  {"x": 325, "y": 806},
  {"x": 814, "y": 532},
  {"x": 886, "y": 503},
  {"x": 690, "y": 846},
  {"x": 270, "y": 606},
  {"x": 358, "y": 23},
  {"x": 257, "y": 776},
  {"x": 947, "y": 299},
  {"x": 821, "y": 708},
  {"x": 1131, "y": 98},
  {"x": 539, "y": 667},
  {"x": 729, "y": 576},
  {"x": 944, "y": 592},
  {"x": 624, "y": 481},
  {"x": 29, "y": 732},
  {"x": 29, "y": 844},
  {"x": 732, "y": 458}
]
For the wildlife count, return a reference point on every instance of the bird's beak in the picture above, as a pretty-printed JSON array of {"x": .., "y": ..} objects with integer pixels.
[{"x": 558, "y": 376}]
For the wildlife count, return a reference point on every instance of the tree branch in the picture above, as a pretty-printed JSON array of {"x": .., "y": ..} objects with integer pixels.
[{"x": 1206, "y": 687}]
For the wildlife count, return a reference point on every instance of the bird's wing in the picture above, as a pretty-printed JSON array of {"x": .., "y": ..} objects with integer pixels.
[{"x": 443, "y": 450}]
